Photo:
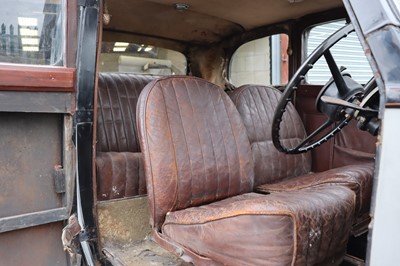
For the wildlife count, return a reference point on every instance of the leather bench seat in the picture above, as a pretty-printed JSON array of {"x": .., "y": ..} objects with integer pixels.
[
  {"x": 120, "y": 174},
  {"x": 119, "y": 165}
]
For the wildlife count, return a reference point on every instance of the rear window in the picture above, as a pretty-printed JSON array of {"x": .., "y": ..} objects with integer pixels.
[
  {"x": 263, "y": 61},
  {"x": 141, "y": 59}
]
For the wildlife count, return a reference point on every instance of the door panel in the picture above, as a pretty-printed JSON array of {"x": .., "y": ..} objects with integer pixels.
[
  {"x": 32, "y": 142},
  {"x": 37, "y": 105},
  {"x": 39, "y": 245},
  {"x": 36, "y": 186}
]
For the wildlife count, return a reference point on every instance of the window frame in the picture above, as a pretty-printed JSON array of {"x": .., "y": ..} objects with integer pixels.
[
  {"x": 273, "y": 58},
  {"x": 45, "y": 78}
]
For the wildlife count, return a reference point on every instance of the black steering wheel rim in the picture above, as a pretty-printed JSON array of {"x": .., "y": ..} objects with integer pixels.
[{"x": 291, "y": 87}]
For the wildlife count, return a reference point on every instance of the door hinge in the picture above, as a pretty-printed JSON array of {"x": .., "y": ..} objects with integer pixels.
[{"x": 59, "y": 179}]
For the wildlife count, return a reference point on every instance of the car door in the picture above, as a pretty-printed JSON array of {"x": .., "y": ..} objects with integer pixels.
[{"x": 37, "y": 105}]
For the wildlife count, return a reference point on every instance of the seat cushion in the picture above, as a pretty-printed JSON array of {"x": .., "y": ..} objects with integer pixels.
[
  {"x": 356, "y": 177},
  {"x": 120, "y": 174},
  {"x": 301, "y": 227}
]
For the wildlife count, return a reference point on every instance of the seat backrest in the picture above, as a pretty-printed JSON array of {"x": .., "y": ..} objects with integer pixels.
[
  {"x": 120, "y": 171},
  {"x": 194, "y": 144},
  {"x": 256, "y": 105},
  {"x": 118, "y": 94}
]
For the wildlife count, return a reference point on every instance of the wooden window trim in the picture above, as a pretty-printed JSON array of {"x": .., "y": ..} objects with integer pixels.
[
  {"x": 37, "y": 78},
  {"x": 42, "y": 78}
]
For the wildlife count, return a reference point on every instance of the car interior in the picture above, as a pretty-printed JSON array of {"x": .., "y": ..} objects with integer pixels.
[{"x": 233, "y": 133}]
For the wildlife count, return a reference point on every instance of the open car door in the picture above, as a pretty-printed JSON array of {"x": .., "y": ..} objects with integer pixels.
[{"x": 39, "y": 124}]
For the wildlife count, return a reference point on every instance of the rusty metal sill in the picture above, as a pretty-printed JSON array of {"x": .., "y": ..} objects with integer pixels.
[{"x": 31, "y": 219}]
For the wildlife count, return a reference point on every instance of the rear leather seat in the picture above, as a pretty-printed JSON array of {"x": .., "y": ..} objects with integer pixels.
[{"x": 119, "y": 163}]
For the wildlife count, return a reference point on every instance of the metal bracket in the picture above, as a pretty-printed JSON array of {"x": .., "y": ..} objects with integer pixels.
[
  {"x": 59, "y": 179},
  {"x": 87, "y": 235},
  {"x": 82, "y": 116}
]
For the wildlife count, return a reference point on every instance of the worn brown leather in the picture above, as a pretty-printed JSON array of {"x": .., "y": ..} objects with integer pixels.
[
  {"x": 120, "y": 174},
  {"x": 256, "y": 105},
  {"x": 195, "y": 146},
  {"x": 356, "y": 177},
  {"x": 303, "y": 227},
  {"x": 353, "y": 146},
  {"x": 199, "y": 174},
  {"x": 118, "y": 94},
  {"x": 118, "y": 161}
]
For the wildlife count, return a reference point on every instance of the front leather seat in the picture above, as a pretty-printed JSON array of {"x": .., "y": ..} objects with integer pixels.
[
  {"x": 200, "y": 177},
  {"x": 276, "y": 171}
]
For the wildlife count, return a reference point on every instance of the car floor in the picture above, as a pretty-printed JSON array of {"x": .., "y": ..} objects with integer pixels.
[
  {"x": 124, "y": 233},
  {"x": 141, "y": 253},
  {"x": 125, "y": 230}
]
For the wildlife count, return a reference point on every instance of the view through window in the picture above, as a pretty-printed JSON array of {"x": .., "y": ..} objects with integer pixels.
[
  {"x": 32, "y": 32},
  {"x": 347, "y": 52},
  {"x": 141, "y": 59},
  {"x": 263, "y": 61}
]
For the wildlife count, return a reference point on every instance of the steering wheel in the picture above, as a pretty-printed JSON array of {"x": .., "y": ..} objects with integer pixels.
[{"x": 340, "y": 99}]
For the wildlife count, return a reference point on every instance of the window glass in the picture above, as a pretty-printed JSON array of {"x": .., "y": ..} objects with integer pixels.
[
  {"x": 141, "y": 59},
  {"x": 263, "y": 61},
  {"x": 347, "y": 52},
  {"x": 32, "y": 32}
]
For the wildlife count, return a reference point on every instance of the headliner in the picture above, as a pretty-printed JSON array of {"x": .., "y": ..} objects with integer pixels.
[{"x": 206, "y": 21}]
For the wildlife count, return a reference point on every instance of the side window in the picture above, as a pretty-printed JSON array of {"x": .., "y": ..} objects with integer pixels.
[
  {"x": 263, "y": 61},
  {"x": 32, "y": 32},
  {"x": 347, "y": 52},
  {"x": 141, "y": 59}
]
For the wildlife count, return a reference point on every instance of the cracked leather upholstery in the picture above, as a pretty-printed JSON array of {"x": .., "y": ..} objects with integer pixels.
[
  {"x": 199, "y": 174},
  {"x": 118, "y": 161},
  {"x": 121, "y": 175},
  {"x": 290, "y": 228},
  {"x": 256, "y": 105},
  {"x": 356, "y": 177},
  {"x": 276, "y": 171},
  {"x": 195, "y": 147}
]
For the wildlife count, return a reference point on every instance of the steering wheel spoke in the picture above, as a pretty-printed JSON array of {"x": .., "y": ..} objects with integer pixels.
[
  {"x": 320, "y": 129},
  {"x": 335, "y": 117},
  {"x": 336, "y": 73}
]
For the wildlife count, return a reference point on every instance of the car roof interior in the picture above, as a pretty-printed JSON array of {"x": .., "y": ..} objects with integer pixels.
[{"x": 201, "y": 22}]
